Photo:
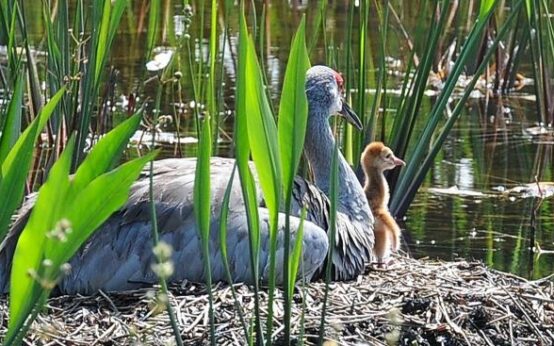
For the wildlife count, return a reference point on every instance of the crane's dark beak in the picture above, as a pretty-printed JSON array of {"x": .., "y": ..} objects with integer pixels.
[{"x": 350, "y": 116}]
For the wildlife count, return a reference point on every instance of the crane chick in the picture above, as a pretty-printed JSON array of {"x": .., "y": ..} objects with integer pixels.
[{"x": 375, "y": 160}]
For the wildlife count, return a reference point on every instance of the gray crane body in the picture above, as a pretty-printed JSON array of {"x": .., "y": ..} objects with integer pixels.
[{"x": 118, "y": 256}]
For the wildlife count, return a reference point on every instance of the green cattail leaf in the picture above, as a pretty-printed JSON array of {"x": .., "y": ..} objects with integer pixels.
[
  {"x": 94, "y": 204},
  {"x": 29, "y": 253},
  {"x": 16, "y": 165},
  {"x": 485, "y": 7},
  {"x": 12, "y": 127},
  {"x": 293, "y": 109},
  {"x": 106, "y": 153},
  {"x": 262, "y": 132},
  {"x": 85, "y": 202},
  {"x": 296, "y": 254},
  {"x": 101, "y": 49},
  {"x": 202, "y": 194},
  {"x": 153, "y": 19}
]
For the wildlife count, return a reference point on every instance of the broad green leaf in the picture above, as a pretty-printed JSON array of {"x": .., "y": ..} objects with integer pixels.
[
  {"x": 95, "y": 203},
  {"x": 293, "y": 109},
  {"x": 293, "y": 116},
  {"x": 106, "y": 152},
  {"x": 29, "y": 253},
  {"x": 262, "y": 132},
  {"x": 262, "y": 136},
  {"x": 85, "y": 202},
  {"x": 17, "y": 163},
  {"x": 242, "y": 151}
]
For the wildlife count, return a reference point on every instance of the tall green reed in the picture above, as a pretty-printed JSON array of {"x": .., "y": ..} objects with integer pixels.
[
  {"x": 162, "y": 255},
  {"x": 106, "y": 16},
  {"x": 202, "y": 193},
  {"x": 78, "y": 54},
  {"x": 423, "y": 154},
  {"x": 242, "y": 153},
  {"x": 541, "y": 42},
  {"x": 293, "y": 116},
  {"x": 276, "y": 152},
  {"x": 333, "y": 199},
  {"x": 156, "y": 244}
]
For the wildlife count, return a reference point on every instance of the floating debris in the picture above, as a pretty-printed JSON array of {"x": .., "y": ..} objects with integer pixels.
[
  {"x": 539, "y": 190},
  {"x": 145, "y": 138},
  {"x": 423, "y": 302},
  {"x": 454, "y": 190},
  {"x": 539, "y": 130}
]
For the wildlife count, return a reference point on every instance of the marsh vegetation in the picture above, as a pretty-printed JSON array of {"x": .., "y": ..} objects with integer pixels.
[{"x": 93, "y": 91}]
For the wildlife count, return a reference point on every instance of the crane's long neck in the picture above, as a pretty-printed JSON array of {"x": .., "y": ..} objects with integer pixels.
[{"x": 319, "y": 150}]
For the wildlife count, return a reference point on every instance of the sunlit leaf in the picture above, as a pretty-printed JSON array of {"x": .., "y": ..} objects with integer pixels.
[
  {"x": 293, "y": 109},
  {"x": 105, "y": 154},
  {"x": 12, "y": 126},
  {"x": 17, "y": 163},
  {"x": 83, "y": 203},
  {"x": 29, "y": 253}
]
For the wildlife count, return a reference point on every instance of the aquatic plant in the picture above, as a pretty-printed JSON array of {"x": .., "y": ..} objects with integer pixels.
[{"x": 59, "y": 224}]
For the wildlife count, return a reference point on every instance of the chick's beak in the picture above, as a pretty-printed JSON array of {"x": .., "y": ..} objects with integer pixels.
[
  {"x": 398, "y": 162},
  {"x": 350, "y": 116}
]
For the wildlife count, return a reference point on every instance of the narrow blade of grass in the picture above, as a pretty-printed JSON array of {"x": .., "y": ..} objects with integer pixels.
[
  {"x": 333, "y": 199},
  {"x": 12, "y": 126}
]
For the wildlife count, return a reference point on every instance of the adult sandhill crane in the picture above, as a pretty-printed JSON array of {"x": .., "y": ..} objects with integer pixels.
[{"x": 118, "y": 256}]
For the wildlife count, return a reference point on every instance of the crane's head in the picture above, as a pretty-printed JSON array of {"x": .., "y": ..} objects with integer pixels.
[
  {"x": 324, "y": 89},
  {"x": 380, "y": 157}
]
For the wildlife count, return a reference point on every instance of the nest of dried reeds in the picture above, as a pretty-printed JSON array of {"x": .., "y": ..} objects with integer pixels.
[{"x": 428, "y": 302}]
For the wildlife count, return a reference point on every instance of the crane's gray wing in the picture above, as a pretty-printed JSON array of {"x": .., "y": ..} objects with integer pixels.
[
  {"x": 353, "y": 243},
  {"x": 119, "y": 256}
]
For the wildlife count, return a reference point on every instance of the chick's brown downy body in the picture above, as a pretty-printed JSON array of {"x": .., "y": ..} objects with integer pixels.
[{"x": 376, "y": 159}]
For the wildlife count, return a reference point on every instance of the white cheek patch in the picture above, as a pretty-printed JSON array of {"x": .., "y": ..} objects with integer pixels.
[{"x": 336, "y": 106}]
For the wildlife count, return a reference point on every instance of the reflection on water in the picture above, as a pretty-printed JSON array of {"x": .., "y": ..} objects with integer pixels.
[
  {"x": 495, "y": 146},
  {"x": 485, "y": 157}
]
